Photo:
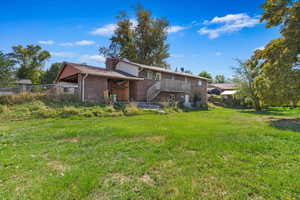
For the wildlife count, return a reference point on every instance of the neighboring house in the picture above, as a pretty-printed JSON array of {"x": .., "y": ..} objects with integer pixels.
[
  {"x": 132, "y": 82},
  {"x": 23, "y": 82},
  {"x": 223, "y": 89}
]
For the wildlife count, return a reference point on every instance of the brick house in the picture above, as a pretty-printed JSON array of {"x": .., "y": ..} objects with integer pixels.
[{"x": 132, "y": 82}]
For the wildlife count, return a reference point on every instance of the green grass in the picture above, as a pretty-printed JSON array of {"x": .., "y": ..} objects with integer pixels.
[{"x": 215, "y": 154}]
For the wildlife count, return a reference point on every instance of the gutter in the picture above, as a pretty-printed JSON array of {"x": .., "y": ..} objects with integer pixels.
[{"x": 82, "y": 85}]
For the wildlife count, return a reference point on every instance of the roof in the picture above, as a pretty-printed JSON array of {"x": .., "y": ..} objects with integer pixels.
[
  {"x": 160, "y": 69},
  {"x": 98, "y": 71},
  {"x": 228, "y": 92},
  {"x": 24, "y": 81},
  {"x": 224, "y": 86}
]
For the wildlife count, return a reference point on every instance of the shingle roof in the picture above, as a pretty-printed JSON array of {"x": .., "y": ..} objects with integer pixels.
[
  {"x": 92, "y": 70},
  {"x": 164, "y": 70},
  {"x": 224, "y": 86}
]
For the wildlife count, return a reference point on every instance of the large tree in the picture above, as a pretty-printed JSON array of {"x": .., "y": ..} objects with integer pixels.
[
  {"x": 51, "y": 73},
  {"x": 31, "y": 60},
  {"x": 144, "y": 42},
  {"x": 6, "y": 70},
  {"x": 279, "y": 80}
]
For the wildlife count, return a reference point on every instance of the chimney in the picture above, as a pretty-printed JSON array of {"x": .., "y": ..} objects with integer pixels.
[{"x": 111, "y": 63}]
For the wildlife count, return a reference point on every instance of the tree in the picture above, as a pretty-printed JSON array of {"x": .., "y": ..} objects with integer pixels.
[
  {"x": 206, "y": 75},
  {"x": 143, "y": 43},
  {"x": 245, "y": 75},
  {"x": 6, "y": 70},
  {"x": 31, "y": 60},
  {"x": 279, "y": 79},
  {"x": 51, "y": 73},
  {"x": 219, "y": 78}
]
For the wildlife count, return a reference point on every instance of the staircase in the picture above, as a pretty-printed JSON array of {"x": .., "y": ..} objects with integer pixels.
[{"x": 153, "y": 91}]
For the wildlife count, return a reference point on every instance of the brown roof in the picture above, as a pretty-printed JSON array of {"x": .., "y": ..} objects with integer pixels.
[
  {"x": 224, "y": 86},
  {"x": 98, "y": 71},
  {"x": 160, "y": 69}
]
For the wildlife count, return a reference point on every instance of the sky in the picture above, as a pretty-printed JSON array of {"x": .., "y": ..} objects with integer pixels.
[{"x": 204, "y": 35}]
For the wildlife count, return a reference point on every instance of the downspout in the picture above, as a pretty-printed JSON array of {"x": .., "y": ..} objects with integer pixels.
[{"x": 83, "y": 78}]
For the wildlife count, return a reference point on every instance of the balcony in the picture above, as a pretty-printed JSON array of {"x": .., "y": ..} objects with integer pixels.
[{"x": 168, "y": 85}]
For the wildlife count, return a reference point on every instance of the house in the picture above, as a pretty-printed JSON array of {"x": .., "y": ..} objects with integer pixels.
[
  {"x": 223, "y": 89},
  {"x": 129, "y": 81}
]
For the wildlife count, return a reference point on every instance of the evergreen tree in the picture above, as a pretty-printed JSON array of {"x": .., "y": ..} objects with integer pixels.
[{"x": 51, "y": 73}]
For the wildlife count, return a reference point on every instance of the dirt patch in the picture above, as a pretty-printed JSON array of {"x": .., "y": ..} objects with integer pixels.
[
  {"x": 191, "y": 151},
  {"x": 286, "y": 124},
  {"x": 147, "y": 180},
  {"x": 120, "y": 178},
  {"x": 58, "y": 166},
  {"x": 156, "y": 139}
]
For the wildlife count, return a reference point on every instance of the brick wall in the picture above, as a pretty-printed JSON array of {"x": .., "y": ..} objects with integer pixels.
[{"x": 111, "y": 63}]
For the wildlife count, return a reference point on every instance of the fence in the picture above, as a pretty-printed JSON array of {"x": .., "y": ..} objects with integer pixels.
[{"x": 50, "y": 88}]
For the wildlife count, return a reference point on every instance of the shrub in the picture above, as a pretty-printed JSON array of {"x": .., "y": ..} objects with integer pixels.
[
  {"x": 4, "y": 109},
  {"x": 69, "y": 111},
  {"x": 46, "y": 112},
  {"x": 131, "y": 109}
]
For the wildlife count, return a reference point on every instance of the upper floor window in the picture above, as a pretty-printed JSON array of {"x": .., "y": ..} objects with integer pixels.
[
  {"x": 199, "y": 83},
  {"x": 149, "y": 75},
  {"x": 157, "y": 76}
]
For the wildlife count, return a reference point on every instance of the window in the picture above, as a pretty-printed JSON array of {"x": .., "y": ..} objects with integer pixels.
[
  {"x": 199, "y": 83},
  {"x": 149, "y": 75},
  {"x": 157, "y": 76}
]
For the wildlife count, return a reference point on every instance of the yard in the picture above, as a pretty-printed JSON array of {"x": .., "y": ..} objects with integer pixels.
[{"x": 215, "y": 154}]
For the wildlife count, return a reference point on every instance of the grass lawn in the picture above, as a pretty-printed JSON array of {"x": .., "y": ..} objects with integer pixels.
[{"x": 215, "y": 154}]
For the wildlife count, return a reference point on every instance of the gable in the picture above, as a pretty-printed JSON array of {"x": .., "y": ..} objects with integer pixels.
[
  {"x": 67, "y": 70},
  {"x": 128, "y": 68}
]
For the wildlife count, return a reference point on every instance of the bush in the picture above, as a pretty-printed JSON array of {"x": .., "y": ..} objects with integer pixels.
[
  {"x": 69, "y": 111},
  {"x": 46, "y": 112},
  {"x": 131, "y": 109},
  {"x": 4, "y": 109}
]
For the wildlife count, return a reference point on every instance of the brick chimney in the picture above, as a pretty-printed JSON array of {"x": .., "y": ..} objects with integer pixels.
[{"x": 111, "y": 63}]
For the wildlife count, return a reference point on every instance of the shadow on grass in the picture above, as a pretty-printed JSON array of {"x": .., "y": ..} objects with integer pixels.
[
  {"x": 287, "y": 124},
  {"x": 265, "y": 112}
]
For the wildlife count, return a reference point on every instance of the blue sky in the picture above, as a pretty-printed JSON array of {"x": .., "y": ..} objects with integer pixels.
[{"x": 204, "y": 35}]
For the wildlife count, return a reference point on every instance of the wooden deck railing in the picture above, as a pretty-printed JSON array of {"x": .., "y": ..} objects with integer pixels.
[{"x": 167, "y": 85}]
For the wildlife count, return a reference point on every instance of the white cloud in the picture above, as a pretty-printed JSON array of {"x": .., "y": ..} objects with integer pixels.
[
  {"x": 92, "y": 58},
  {"x": 84, "y": 43},
  {"x": 174, "y": 29},
  {"x": 229, "y": 24},
  {"x": 46, "y": 42},
  {"x": 63, "y": 54},
  {"x": 260, "y": 48},
  {"x": 78, "y": 43},
  {"x": 66, "y": 44},
  {"x": 106, "y": 30},
  {"x": 218, "y": 53}
]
